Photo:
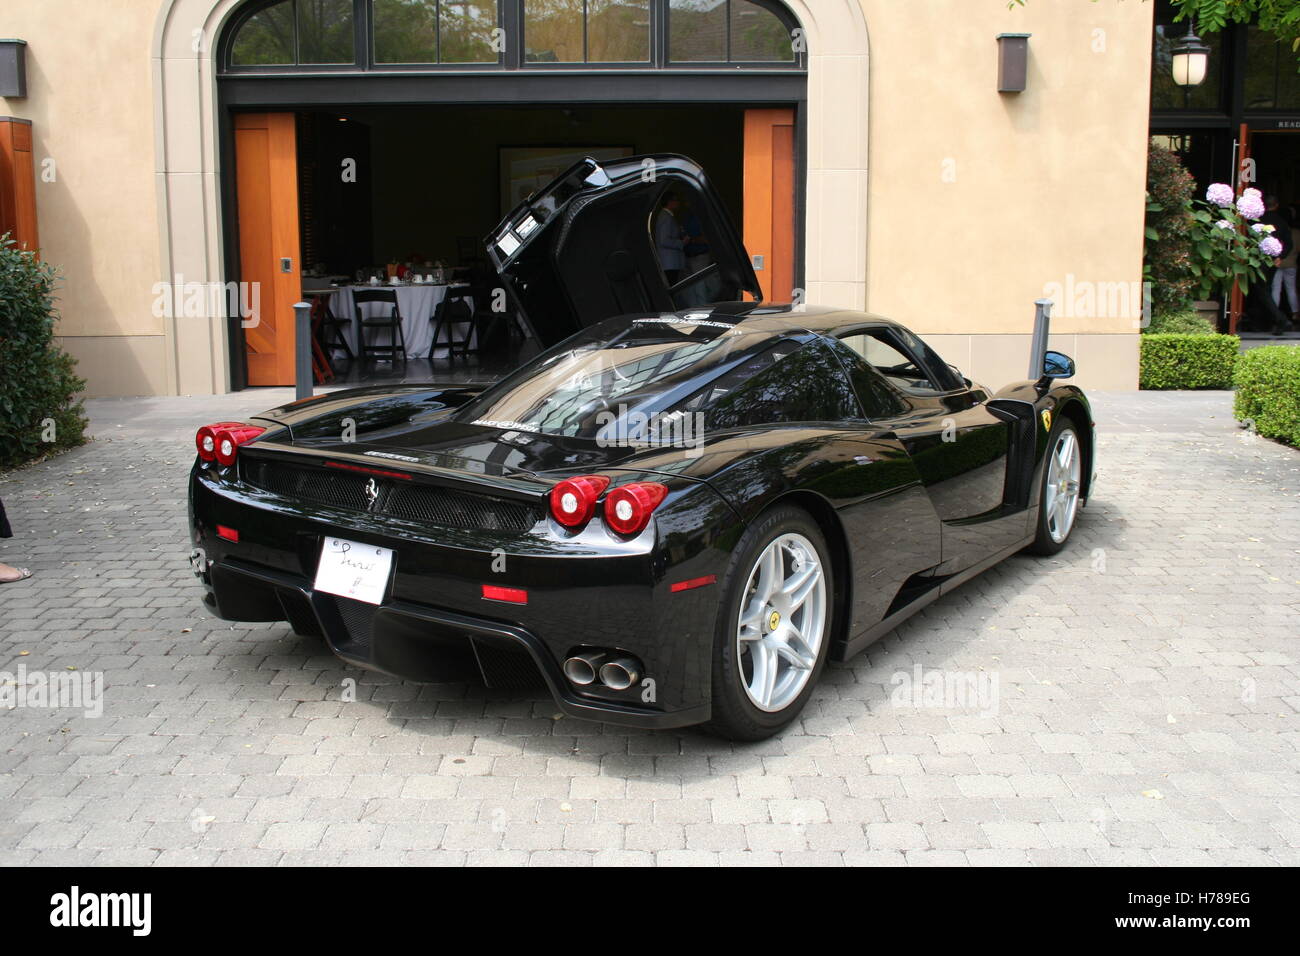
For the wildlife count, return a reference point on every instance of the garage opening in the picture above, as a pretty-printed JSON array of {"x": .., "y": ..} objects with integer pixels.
[{"x": 372, "y": 144}]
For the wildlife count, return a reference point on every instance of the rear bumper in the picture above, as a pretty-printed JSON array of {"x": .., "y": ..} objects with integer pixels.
[{"x": 434, "y": 624}]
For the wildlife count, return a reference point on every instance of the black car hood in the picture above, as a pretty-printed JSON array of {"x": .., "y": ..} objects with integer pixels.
[{"x": 582, "y": 250}]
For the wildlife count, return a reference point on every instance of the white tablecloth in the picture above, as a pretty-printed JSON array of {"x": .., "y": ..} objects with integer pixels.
[{"x": 415, "y": 302}]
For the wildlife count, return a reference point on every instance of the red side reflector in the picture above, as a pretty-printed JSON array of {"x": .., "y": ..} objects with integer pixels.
[
  {"x": 694, "y": 583},
  {"x": 369, "y": 471},
  {"x": 230, "y": 534},
  {"x": 514, "y": 595}
]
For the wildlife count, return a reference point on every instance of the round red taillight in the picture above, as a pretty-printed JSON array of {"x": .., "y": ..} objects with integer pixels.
[
  {"x": 220, "y": 442},
  {"x": 628, "y": 507},
  {"x": 206, "y": 440},
  {"x": 573, "y": 501},
  {"x": 226, "y": 446}
]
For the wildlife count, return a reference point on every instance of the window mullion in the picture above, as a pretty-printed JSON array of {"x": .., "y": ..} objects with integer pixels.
[
  {"x": 659, "y": 14},
  {"x": 361, "y": 34},
  {"x": 511, "y": 20},
  {"x": 728, "y": 50}
]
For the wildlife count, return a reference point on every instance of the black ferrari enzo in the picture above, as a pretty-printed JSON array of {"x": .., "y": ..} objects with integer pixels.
[{"x": 676, "y": 514}]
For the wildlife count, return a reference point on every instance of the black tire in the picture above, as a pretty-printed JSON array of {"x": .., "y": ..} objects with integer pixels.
[
  {"x": 1044, "y": 543},
  {"x": 735, "y": 717}
]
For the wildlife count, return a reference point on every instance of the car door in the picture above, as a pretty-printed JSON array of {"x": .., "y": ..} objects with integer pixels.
[
  {"x": 959, "y": 444},
  {"x": 590, "y": 245}
]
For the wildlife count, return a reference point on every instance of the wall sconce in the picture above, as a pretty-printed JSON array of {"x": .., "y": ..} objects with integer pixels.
[
  {"x": 1191, "y": 60},
  {"x": 13, "y": 68},
  {"x": 1013, "y": 62}
]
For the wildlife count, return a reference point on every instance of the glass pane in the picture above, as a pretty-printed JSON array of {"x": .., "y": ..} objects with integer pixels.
[
  {"x": 265, "y": 38},
  {"x": 809, "y": 386},
  {"x": 467, "y": 27},
  {"x": 1271, "y": 79},
  {"x": 758, "y": 35},
  {"x": 406, "y": 31},
  {"x": 618, "y": 31},
  {"x": 876, "y": 398},
  {"x": 1165, "y": 93},
  {"x": 616, "y": 368},
  {"x": 697, "y": 31},
  {"x": 324, "y": 31},
  {"x": 893, "y": 364},
  {"x": 553, "y": 31}
]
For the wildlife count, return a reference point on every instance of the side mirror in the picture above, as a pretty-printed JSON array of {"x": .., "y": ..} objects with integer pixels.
[{"x": 1057, "y": 365}]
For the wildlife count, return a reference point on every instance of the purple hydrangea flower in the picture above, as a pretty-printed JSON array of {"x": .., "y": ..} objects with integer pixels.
[
  {"x": 1250, "y": 204},
  {"x": 1271, "y": 247},
  {"x": 1220, "y": 194},
  {"x": 1222, "y": 224},
  {"x": 1263, "y": 227}
]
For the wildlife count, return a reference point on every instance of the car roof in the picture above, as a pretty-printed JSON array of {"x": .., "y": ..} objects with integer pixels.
[{"x": 782, "y": 318}]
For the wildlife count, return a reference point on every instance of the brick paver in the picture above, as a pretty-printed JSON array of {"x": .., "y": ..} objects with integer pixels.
[{"x": 1145, "y": 713}]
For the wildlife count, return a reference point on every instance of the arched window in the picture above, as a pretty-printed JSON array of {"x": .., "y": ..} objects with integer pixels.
[
  {"x": 434, "y": 31},
  {"x": 291, "y": 32},
  {"x": 586, "y": 31},
  {"x": 328, "y": 35},
  {"x": 728, "y": 31}
]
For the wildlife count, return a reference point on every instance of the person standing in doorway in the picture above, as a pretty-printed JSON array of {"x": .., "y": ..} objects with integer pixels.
[
  {"x": 1277, "y": 221},
  {"x": 1284, "y": 278},
  {"x": 696, "y": 250},
  {"x": 669, "y": 239}
]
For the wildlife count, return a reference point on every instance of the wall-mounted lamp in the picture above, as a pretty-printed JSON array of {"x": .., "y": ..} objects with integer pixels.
[
  {"x": 13, "y": 68},
  {"x": 1013, "y": 62},
  {"x": 1191, "y": 59}
]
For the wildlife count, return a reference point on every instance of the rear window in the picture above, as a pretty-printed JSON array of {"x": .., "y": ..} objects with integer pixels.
[{"x": 615, "y": 383}]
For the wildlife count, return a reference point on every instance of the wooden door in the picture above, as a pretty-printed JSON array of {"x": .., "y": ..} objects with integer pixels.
[
  {"x": 18, "y": 183},
  {"x": 769, "y": 200},
  {"x": 266, "y": 185}
]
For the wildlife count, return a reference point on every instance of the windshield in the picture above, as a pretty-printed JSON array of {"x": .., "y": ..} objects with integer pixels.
[{"x": 627, "y": 381}]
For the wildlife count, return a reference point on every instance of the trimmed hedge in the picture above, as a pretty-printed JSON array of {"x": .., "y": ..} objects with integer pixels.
[
  {"x": 1186, "y": 322},
  {"x": 1187, "y": 361},
  {"x": 39, "y": 407},
  {"x": 1268, "y": 391}
]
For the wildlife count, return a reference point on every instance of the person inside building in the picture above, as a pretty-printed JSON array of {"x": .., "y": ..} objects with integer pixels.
[
  {"x": 1262, "y": 299},
  {"x": 669, "y": 240},
  {"x": 1284, "y": 277}
]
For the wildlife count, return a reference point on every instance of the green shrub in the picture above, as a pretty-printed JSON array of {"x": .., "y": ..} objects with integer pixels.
[
  {"x": 1268, "y": 391},
  {"x": 39, "y": 408},
  {"x": 1167, "y": 253},
  {"x": 1187, "y": 361},
  {"x": 1187, "y": 322}
]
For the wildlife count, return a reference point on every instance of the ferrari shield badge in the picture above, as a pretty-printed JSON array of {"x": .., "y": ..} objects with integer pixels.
[{"x": 1047, "y": 419}]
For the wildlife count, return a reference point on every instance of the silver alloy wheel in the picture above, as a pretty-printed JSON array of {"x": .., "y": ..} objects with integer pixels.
[
  {"x": 782, "y": 622},
  {"x": 1061, "y": 496}
]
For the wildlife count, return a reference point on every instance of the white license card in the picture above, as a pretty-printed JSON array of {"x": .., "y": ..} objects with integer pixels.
[{"x": 354, "y": 570}]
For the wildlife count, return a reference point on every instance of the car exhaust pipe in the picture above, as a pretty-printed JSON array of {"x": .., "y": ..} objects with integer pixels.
[
  {"x": 620, "y": 673},
  {"x": 581, "y": 669}
]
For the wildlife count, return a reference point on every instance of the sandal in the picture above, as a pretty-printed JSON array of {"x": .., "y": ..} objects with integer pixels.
[{"x": 23, "y": 574}]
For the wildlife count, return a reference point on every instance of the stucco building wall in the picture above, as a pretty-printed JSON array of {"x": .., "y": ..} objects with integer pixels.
[
  {"x": 979, "y": 202},
  {"x": 930, "y": 197},
  {"x": 90, "y": 100}
]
